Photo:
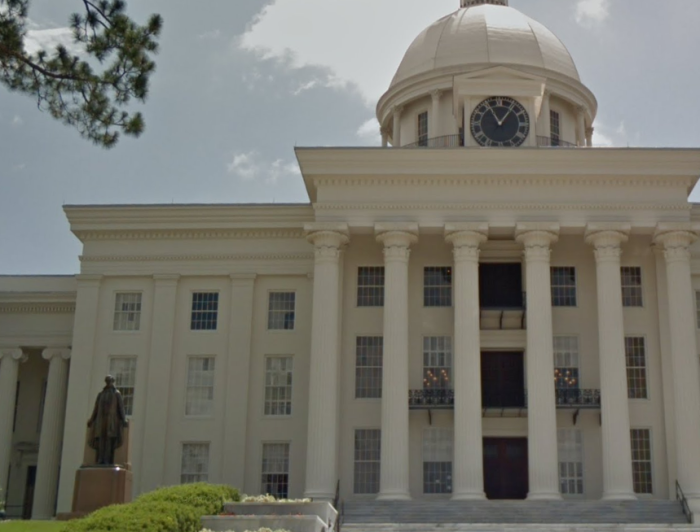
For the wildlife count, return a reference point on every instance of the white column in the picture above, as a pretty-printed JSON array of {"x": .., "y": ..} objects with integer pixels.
[
  {"x": 435, "y": 114},
  {"x": 158, "y": 380},
  {"x": 541, "y": 411},
  {"x": 676, "y": 240},
  {"x": 394, "y": 478},
  {"x": 589, "y": 136},
  {"x": 238, "y": 378},
  {"x": 580, "y": 127},
  {"x": 385, "y": 137},
  {"x": 468, "y": 466},
  {"x": 80, "y": 381},
  {"x": 545, "y": 118},
  {"x": 50, "y": 441},
  {"x": 9, "y": 373},
  {"x": 396, "y": 133},
  {"x": 324, "y": 389},
  {"x": 617, "y": 451}
]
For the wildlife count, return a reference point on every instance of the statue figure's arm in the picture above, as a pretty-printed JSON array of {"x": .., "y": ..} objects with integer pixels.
[
  {"x": 121, "y": 413},
  {"x": 93, "y": 417}
]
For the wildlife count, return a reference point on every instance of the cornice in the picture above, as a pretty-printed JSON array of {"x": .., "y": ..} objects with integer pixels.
[
  {"x": 340, "y": 206},
  {"x": 189, "y": 234},
  {"x": 194, "y": 257},
  {"x": 37, "y": 308}
]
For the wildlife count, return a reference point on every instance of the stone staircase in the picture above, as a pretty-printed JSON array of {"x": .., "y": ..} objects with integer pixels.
[{"x": 491, "y": 516}]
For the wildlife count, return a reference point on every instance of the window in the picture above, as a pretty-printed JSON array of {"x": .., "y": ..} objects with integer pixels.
[
  {"x": 635, "y": 356},
  {"x": 555, "y": 128},
  {"x": 280, "y": 311},
  {"x": 563, "y": 287},
  {"x": 697, "y": 307},
  {"x": 205, "y": 311},
  {"x": 437, "y": 460},
  {"x": 631, "y": 286},
  {"x": 370, "y": 286},
  {"x": 437, "y": 287},
  {"x": 566, "y": 367},
  {"x": 123, "y": 369},
  {"x": 570, "y": 461},
  {"x": 423, "y": 129},
  {"x": 195, "y": 463},
  {"x": 368, "y": 367},
  {"x": 200, "y": 386},
  {"x": 127, "y": 311},
  {"x": 278, "y": 386},
  {"x": 275, "y": 470},
  {"x": 368, "y": 444},
  {"x": 437, "y": 363},
  {"x": 641, "y": 460}
]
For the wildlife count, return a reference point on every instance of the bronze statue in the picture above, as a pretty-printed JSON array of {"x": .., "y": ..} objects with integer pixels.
[{"x": 107, "y": 423}]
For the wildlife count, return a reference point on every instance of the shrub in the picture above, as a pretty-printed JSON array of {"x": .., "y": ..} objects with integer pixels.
[
  {"x": 207, "y": 499},
  {"x": 145, "y": 517}
]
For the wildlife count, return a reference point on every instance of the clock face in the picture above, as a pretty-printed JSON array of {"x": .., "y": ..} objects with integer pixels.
[{"x": 500, "y": 121}]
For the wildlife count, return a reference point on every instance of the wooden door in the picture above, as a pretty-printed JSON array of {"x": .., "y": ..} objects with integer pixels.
[{"x": 505, "y": 468}]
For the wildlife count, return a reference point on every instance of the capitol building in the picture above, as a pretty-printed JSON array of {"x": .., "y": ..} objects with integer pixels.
[{"x": 486, "y": 307}]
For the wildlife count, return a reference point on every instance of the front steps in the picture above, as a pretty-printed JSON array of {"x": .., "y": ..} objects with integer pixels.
[{"x": 449, "y": 516}]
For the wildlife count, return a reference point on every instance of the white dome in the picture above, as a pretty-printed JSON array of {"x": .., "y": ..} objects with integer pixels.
[{"x": 486, "y": 35}]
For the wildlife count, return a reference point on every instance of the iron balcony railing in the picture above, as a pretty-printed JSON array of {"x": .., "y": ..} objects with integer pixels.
[
  {"x": 457, "y": 141},
  {"x": 549, "y": 142},
  {"x": 680, "y": 497},
  {"x": 566, "y": 398}
]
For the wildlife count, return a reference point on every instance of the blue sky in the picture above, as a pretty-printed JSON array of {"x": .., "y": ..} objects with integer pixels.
[{"x": 240, "y": 83}]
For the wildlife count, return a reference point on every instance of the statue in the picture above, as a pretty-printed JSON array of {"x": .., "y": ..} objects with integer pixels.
[{"x": 107, "y": 423}]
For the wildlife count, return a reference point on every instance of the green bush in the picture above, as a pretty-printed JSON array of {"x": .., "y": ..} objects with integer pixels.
[
  {"x": 146, "y": 517},
  {"x": 172, "y": 509},
  {"x": 208, "y": 499}
]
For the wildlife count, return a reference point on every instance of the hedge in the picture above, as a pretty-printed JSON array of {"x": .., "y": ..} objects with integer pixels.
[{"x": 172, "y": 509}]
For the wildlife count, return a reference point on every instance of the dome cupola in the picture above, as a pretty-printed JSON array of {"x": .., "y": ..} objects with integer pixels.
[{"x": 487, "y": 49}]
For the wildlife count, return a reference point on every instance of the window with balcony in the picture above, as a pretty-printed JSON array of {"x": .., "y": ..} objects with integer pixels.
[
  {"x": 437, "y": 363},
  {"x": 368, "y": 445},
  {"x": 563, "y": 286},
  {"x": 370, "y": 286},
  {"x": 275, "y": 470},
  {"x": 570, "y": 461},
  {"x": 437, "y": 287},
  {"x": 423, "y": 129},
  {"x": 437, "y": 460},
  {"x": 631, "y": 277},
  {"x": 555, "y": 128},
  {"x": 369, "y": 352},
  {"x": 635, "y": 357},
  {"x": 566, "y": 363},
  {"x": 641, "y": 461}
]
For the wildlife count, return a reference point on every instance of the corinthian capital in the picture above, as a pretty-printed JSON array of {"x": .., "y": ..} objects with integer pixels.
[
  {"x": 675, "y": 239},
  {"x": 397, "y": 239},
  {"x": 537, "y": 238},
  {"x": 607, "y": 239},
  {"x": 327, "y": 238},
  {"x": 466, "y": 239}
]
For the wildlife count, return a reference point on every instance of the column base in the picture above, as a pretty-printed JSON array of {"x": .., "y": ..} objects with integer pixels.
[
  {"x": 546, "y": 496},
  {"x": 469, "y": 496},
  {"x": 621, "y": 496},
  {"x": 394, "y": 496}
]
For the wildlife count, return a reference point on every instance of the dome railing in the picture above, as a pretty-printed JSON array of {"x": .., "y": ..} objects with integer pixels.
[{"x": 457, "y": 141}]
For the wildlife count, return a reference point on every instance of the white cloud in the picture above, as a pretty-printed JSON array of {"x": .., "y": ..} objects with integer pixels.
[
  {"x": 17, "y": 121},
  {"x": 352, "y": 39},
  {"x": 48, "y": 39},
  {"x": 251, "y": 167},
  {"x": 369, "y": 132},
  {"x": 590, "y": 12},
  {"x": 605, "y": 136}
]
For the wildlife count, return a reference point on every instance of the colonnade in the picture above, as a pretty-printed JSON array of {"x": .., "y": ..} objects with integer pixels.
[{"x": 537, "y": 239}]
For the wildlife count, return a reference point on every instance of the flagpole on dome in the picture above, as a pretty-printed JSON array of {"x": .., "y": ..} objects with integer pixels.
[{"x": 470, "y": 3}]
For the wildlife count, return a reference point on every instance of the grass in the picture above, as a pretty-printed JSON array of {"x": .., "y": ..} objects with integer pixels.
[{"x": 31, "y": 526}]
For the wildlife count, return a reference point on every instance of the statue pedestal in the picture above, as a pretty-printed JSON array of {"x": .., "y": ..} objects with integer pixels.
[{"x": 96, "y": 487}]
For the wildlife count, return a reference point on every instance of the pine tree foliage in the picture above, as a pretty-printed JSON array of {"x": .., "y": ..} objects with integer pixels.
[{"x": 91, "y": 91}]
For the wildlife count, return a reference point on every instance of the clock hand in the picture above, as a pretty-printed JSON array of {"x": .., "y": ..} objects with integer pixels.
[
  {"x": 495, "y": 116},
  {"x": 510, "y": 110}
]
